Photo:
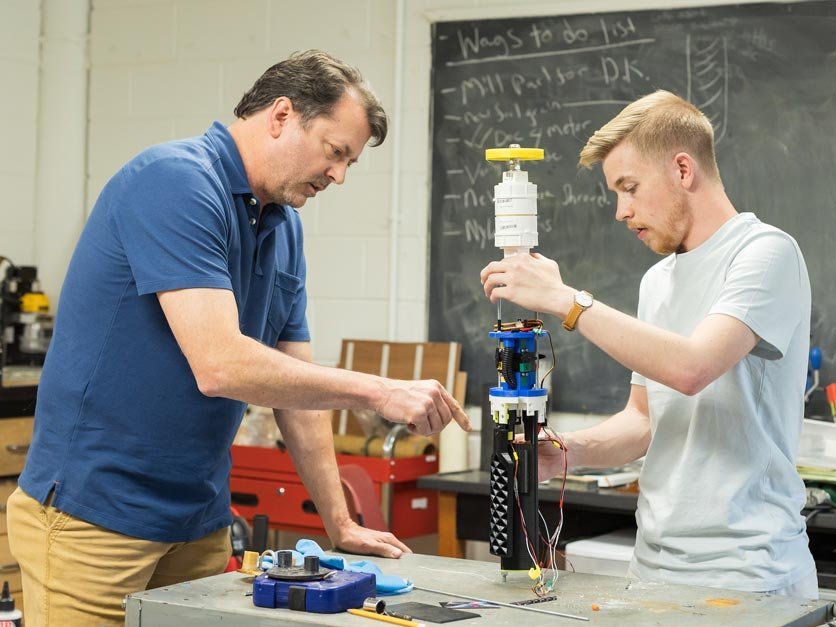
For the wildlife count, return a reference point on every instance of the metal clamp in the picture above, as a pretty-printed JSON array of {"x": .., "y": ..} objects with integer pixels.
[
  {"x": 387, "y": 488},
  {"x": 392, "y": 437}
]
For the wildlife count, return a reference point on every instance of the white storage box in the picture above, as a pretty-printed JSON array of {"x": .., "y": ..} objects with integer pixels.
[
  {"x": 609, "y": 554},
  {"x": 818, "y": 444}
]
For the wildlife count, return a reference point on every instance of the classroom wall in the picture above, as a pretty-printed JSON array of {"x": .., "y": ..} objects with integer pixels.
[
  {"x": 20, "y": 23},
  {"x": 419, "y": 15},
  {"x": 162, "y": 69},
  {"x": 165, "y": 69}
]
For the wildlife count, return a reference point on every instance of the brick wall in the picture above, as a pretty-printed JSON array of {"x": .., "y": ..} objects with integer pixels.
[
  {"x": 166, "y": 69},
  {"x": 20, "y": 22}
]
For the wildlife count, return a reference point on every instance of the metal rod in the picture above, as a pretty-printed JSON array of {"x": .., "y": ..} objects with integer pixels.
[
  {"x": 499, "y": 330},
  {"x": 457, "y": 595}
]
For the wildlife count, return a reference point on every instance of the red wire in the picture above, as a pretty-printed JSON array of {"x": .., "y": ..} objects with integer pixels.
[
  {"x": 551, "y": 437},
  {"x": 519, "y": 509}
]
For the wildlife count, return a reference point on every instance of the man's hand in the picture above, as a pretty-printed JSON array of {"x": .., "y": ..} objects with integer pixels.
[
  {"x": 353, "y": 538},
  {"x": 424, "y": 406},
  {"x": 531, "y": 281}
]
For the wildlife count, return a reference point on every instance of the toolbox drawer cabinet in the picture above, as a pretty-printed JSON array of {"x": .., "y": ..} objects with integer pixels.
[
  {"x": 264, "y": 481},
  {"x": 281, "y": 498},
  {"x": 15, "y": 436}
]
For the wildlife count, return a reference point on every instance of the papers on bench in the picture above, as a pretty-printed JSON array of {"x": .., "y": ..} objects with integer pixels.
[{"x": 591, "y": 479}]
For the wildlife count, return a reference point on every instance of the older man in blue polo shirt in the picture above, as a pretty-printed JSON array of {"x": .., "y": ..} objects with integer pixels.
[{"x": 184, "y": 301}]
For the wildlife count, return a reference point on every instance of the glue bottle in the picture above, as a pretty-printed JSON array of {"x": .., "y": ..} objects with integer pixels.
[{"x": 9, "y": 616}]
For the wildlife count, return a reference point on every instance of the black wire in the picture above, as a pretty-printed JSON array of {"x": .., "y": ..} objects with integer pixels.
[
  {"x": 818, "y": 509},
  {"x": 9, "y": 261},
  {"x": 554, "y": 358},
  {"x": 508, "y": 367},
  {"x": 12, "y": 266},
  {"x": 3, "y": 297}
]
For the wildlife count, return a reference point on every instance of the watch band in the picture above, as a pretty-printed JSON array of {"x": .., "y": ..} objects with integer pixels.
[
  {"x": 575, "y": 312},
  {"x": 572, "y": 317}
]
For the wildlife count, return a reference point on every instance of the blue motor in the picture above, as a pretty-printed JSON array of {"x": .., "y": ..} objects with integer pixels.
[{"x": 517, "y": 363}]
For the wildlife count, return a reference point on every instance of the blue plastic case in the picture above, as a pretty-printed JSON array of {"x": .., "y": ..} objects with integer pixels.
[{"x": 337, "y": 593}]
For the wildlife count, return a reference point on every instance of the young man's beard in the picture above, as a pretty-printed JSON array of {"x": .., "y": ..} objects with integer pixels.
[{"x": 676, "y": 224}]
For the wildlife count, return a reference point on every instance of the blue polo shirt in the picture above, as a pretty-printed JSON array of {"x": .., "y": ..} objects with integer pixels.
[{"x": 121, "y": 430}]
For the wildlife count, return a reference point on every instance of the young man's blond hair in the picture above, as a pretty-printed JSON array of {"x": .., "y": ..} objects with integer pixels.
[{"x": 658, "y": 126}]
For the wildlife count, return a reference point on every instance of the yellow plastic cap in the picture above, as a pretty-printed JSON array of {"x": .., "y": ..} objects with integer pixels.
[
  {"x": 34, "y": 302},
  {"x": 506, "y": 154}
]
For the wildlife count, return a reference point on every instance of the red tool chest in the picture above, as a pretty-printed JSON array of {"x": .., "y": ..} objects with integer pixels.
[{"x": 264, "y": 481}]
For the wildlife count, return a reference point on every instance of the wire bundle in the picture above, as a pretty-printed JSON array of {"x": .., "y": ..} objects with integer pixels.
[{"x": 541, "y": 585}]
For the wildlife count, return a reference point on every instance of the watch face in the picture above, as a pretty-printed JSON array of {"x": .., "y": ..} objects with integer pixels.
[{"x": 584, "y": 299}]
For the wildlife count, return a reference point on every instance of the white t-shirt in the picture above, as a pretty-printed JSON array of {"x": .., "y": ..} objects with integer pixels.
[{"x": 720, "y": 496}]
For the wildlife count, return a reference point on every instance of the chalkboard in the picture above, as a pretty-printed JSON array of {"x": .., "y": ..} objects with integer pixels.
[{"x": 765, "y": 74}]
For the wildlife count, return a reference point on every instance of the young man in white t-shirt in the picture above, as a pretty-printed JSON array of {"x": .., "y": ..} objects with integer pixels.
[{"x": 718, "y": 353}]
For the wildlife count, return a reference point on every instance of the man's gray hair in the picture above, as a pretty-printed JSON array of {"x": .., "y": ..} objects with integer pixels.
[{"x": 314, "y": 81}]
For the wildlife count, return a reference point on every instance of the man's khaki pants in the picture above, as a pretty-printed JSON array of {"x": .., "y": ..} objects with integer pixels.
[{"x": 76, "y": 573}]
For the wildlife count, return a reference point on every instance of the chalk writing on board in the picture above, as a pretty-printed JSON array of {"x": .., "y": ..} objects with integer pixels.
[
  {"x": 763, "y": 74},
  {"x": 708, "y": 82}
]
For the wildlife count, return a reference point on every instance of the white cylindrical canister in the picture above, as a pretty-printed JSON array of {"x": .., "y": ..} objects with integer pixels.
[{"x": 515, "y": 208}]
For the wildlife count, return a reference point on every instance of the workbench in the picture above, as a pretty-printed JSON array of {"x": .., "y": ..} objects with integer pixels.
[
  {"x": 463, "y": 508},
  {"x": 619, "y": 601}
]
